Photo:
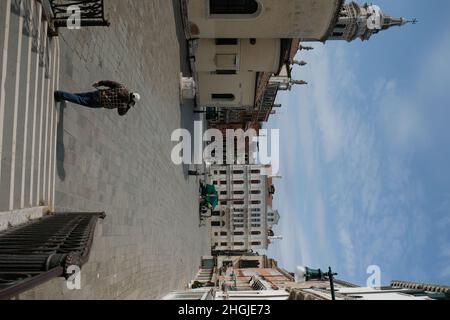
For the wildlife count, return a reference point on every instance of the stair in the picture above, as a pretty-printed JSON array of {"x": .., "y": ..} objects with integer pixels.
[{"x": 29, "y": 73}]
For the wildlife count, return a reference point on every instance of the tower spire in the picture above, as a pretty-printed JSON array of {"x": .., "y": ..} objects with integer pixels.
[{"x": 362, "y": 22}]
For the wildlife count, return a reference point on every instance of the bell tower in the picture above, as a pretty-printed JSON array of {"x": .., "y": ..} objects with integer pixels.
[{"x": 356, "y": 21}]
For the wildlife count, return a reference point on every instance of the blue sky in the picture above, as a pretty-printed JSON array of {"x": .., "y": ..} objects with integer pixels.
[{"x": 365, "y": 151}]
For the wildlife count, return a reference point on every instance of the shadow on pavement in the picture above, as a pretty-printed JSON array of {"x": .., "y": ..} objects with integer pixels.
[
  {"x": 184, "y": 52},
  {"x": 60, "y": 148},
  {"x": 187, "y": 108}
]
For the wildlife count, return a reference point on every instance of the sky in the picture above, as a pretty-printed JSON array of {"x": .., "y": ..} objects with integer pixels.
[{"x": 365, "y": 150}]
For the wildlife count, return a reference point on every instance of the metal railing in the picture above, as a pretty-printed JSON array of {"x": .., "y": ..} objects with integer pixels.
[
  {"x": 92, "y": 12},
  {"x": 266, "y": 103},
  {"x": 39, "y": 251}
]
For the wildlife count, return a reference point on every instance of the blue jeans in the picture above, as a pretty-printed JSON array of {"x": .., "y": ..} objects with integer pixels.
[{"x": 87, "y": 99}]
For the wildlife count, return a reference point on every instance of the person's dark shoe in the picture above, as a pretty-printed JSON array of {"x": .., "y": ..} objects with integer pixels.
[{"x": 58, "y": 96}]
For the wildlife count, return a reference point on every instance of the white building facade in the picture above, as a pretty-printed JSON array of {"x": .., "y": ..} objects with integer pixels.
[
  {"x": 233, "y": 41},
  {"x": 244, "y": 218}
]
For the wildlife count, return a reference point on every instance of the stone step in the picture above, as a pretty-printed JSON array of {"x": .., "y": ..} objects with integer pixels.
[
  {"x": 18, "y": 217},
  {"x": 28, "y": 116}
]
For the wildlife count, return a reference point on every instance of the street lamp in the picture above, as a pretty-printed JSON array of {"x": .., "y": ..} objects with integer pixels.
[{"x": 304, "y": 274}]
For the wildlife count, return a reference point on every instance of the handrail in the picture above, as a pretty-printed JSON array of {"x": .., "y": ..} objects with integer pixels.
[
  {"x": 92, "y": 13},
  {"x": 41, "y": 250}
]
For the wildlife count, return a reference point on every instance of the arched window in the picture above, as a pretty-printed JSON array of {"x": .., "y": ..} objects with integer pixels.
[{"x": 247, "y": 7}]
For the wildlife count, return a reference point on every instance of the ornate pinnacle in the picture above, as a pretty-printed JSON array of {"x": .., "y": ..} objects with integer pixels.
[
  {"x": 299, "y": 82},
  {"x": 305, "y": 48},
  {"x": 300, "y": 63}
]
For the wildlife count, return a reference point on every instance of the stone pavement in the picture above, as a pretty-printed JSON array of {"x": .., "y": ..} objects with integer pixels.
[{"x": 150, "y": 242}]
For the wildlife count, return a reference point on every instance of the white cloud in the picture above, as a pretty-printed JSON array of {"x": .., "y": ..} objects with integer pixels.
[
  {"x": 433, "y": 74},
  {"x": 361, "y": 197},
  {"x": 403, "y": 120},
  {"x": 442, "y": 238},
  {"x": 320, "y": 95},
  {"x": 295, "y": 247},
  {"x": 349, "y": 253}
]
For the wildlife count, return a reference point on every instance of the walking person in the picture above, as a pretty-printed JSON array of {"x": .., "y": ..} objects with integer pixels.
[{"x": 109, "y": 95}]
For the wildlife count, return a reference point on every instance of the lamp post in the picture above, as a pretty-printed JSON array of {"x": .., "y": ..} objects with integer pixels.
[
  {"x": 305, "y": 274},
  {"x": 331, "y": 278}
]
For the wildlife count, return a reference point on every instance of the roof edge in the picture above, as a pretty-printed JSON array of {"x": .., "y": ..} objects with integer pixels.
[{"x": 339, "y": 4}]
